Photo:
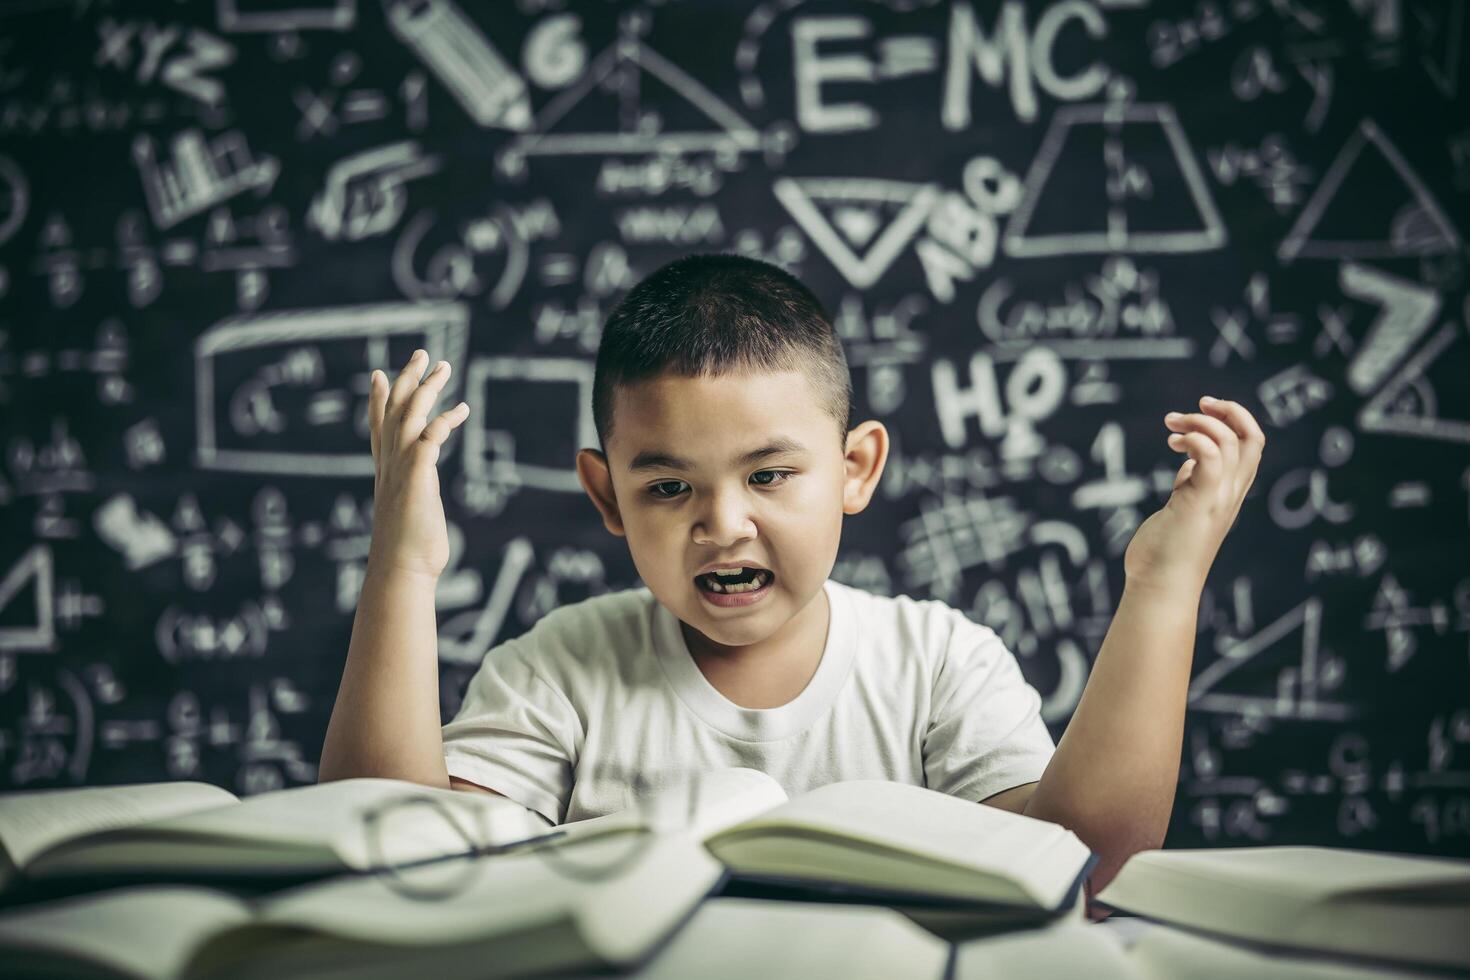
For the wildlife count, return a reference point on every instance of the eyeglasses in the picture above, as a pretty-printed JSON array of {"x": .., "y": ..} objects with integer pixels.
[
  {"x": 401, "y": 823},
  {"x": 654, "y": 815}
]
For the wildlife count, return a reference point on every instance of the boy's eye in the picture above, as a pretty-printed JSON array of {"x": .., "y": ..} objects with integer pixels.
[
  {"x": 777, "y": 476},
  {"x": 668, "y": 489}
]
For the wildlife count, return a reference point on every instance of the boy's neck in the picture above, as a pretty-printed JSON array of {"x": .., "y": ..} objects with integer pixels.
[{"x": 772, "y": 672}]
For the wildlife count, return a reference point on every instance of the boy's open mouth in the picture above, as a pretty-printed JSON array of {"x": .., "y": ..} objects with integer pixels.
[{"x": 736, "y": 581}]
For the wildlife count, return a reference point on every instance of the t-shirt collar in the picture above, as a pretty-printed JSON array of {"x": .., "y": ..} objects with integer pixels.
[{"x": 759, "y": 724}]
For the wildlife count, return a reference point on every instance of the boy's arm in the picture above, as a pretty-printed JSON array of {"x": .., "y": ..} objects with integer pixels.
[
  {"x": 1113, "y": 775},
  {"x": 1112, "y": 778},
  {"x": 1013, "y": 799},
  {"x": 456, "y": 783},
  {"x": 386, "y": 719}
]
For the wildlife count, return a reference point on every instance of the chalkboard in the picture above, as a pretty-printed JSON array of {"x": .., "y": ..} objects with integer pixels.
[{"x": 1038, "y": 227}]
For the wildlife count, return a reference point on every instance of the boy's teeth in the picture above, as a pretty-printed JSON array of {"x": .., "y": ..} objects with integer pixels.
[{"x": 715, "y": 585}]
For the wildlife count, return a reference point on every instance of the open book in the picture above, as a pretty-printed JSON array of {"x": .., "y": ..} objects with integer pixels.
[
  {"x": 501, "y": 915},
  {"x": 1104, "y": 951},
  {"x": 874, "y": 839},
  {"x": 738, "y": 938},
  {"x": 1368, "y": 903},
  {"x": 187, "y": 828}
]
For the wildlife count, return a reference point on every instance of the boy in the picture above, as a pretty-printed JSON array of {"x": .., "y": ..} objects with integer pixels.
[{"x": 722, "y": 404}]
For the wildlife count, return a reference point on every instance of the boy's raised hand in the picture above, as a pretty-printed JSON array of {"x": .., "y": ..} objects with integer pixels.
[
  {"x": 409, "y": 533},
  {"x": 1175, "y": 547}
]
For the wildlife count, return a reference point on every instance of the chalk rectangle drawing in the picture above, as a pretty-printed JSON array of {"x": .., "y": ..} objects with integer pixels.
[
  {"x": 268, "y": 400},
  {"x": 490, "y": 448}
]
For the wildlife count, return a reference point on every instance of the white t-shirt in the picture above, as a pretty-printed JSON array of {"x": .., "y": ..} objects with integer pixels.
[{"x": 600, "y": 701}]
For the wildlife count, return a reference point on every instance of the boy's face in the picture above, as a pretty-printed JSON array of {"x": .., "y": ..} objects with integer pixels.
[{"x": 733, "y": 468}]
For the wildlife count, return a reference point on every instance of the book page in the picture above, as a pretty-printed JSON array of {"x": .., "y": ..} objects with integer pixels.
[
  {"x": 1375, "y": 904},
  {"x": 33, "y": 820},
  {"x": 1042, "y": 857},
  {"x": 1305, "y": 872},
  {"x": 1173, "y": 954},
  {"x": 367, "y": 822},
  {"x": 149, "y": 930},
  {"x": 1063, "y": 949},
  {"x": 700, "y": 806},
  {"x": 751, "y": 937},
  {"x": 614, "y": 887}
]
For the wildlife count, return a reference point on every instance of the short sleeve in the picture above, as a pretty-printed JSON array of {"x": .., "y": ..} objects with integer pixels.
[
  {"x": 985, "y": 731},
  {"x": 515, "y": 733}
]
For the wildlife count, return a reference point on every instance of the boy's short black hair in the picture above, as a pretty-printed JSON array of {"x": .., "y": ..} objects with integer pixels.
[{"x": 713, "y": 314}]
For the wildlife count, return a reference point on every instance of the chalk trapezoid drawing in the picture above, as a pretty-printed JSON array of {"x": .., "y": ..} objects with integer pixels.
[
  {"x": 623, "y": 65},
  {"x": 1075, "y": 199},
  {"x": 1338, "y": 222},
  {"x": 842, "y": 216}
]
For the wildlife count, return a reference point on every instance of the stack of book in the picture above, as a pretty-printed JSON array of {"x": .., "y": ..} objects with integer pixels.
[
  {"x": 401, "y": 877},
  {"x": 1375, "y": 907},
  {"x": 376, "y": 877}
]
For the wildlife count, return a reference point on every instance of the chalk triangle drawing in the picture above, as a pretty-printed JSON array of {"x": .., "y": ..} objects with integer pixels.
[
  {"x": 1408, "y": 403},
  {"x": 857, "y": 224},
  {"x": 1296, "y": 687},
  {"x": 612, "y": 88},
  {"x": 841, "y": 215},
  {"x": 39, "y": 629},
  {"x": 1370, "y": 205},
  {"x": 1119, "y": 179}
]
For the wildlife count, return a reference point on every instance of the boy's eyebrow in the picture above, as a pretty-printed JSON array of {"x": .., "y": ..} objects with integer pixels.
[{"x": 653, "y": 460}]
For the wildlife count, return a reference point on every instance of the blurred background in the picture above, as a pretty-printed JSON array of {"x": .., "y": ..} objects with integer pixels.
[{"x": 1038, "y": 227}]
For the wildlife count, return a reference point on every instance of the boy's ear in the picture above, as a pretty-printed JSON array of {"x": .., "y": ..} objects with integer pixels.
[
  {"x": 867, "y": 451},
  {"x": 596, "y": 479}
]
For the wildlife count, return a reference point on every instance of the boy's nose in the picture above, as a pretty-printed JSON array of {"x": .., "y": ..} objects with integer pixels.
[{"x": 725, "y": 520}]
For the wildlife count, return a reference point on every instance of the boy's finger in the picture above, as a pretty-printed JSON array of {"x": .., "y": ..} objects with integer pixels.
[
  {"x": 1208, "y": 424},
  {"x": 438, "y": 430},
  {"x": 1237, "y": 416},
  {"x": 403, "y": 386},
  {"x": 1208, "y": 464},
  {"x": 419, "y": 403},
  {"x": 1244, "y": 425},
  {"x": 1185, "y": 470},
  {"x": 377, "y": 395},
  {"x": 1213, "y": 429}
]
